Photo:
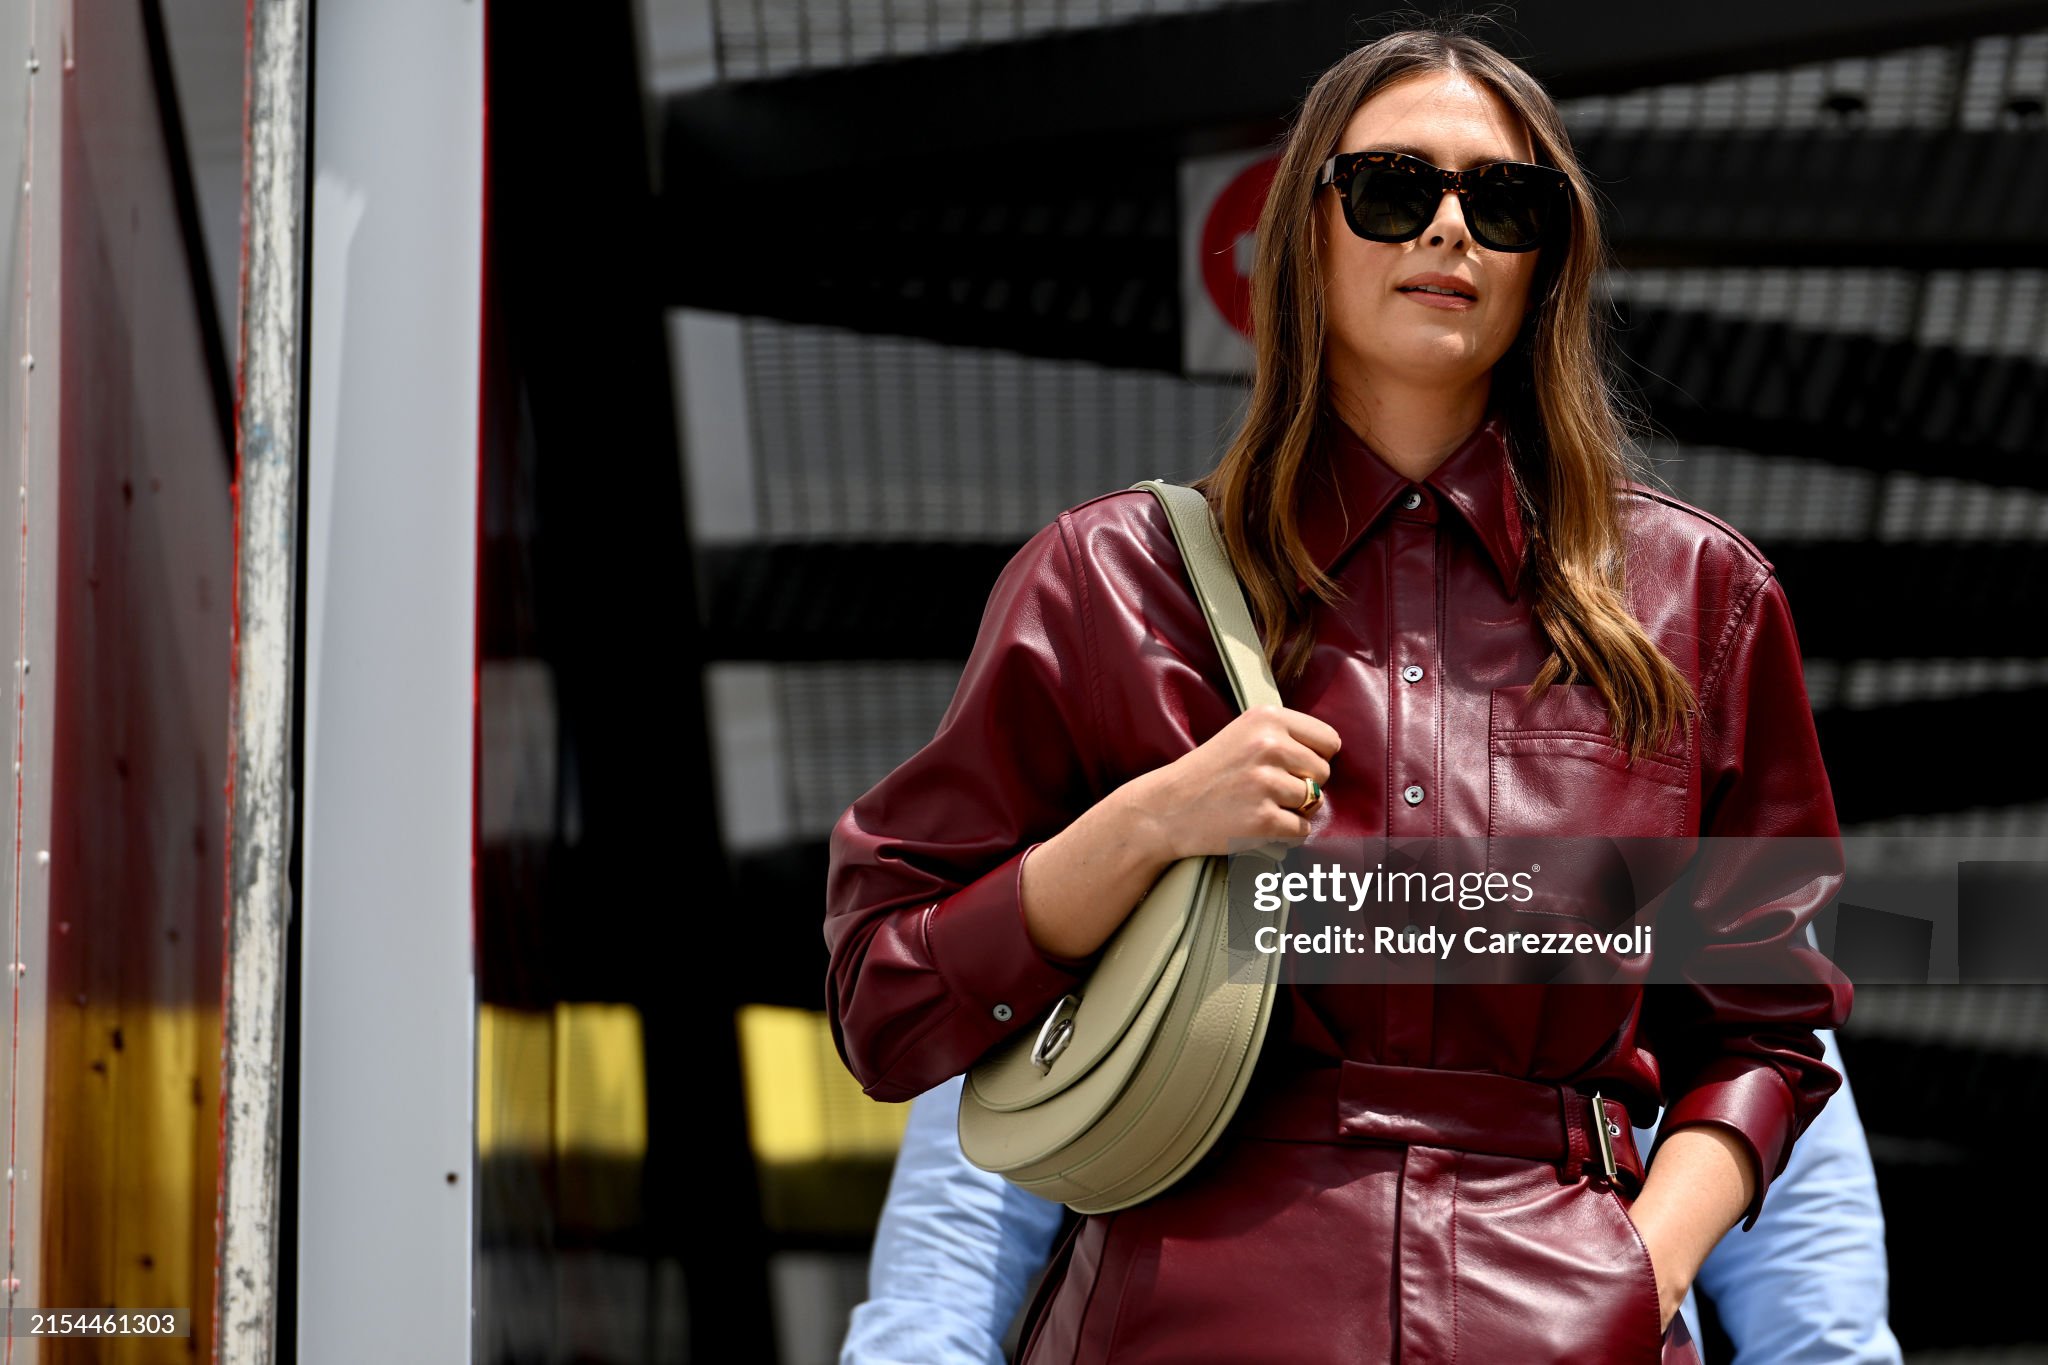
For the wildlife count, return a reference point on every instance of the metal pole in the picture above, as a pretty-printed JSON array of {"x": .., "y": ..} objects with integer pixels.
[{"x": 263, "y": 683}]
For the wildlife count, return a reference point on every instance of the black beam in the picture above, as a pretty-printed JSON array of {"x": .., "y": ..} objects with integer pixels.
[
  {"x": 1850, "y": 399},
  {"x": 1245, "y": 67},
  {"x": 1917, "y": 599},
  {"x": 1071, "y": 257},
  {"x": 1996, "y": 759},
  {"x": 796, "y": 601},
  {"x": 807, "y": 600},
  {"x": 589, "y": 567},
  {"x": 1910, "y": 198},
  {"x": 784, "y": 888}
]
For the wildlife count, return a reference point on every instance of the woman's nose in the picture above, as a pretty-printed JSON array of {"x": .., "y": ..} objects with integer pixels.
[{"x": 1449, "y": 223}]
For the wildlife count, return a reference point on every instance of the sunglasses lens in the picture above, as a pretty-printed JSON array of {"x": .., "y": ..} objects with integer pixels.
[
  {"x": 1509, "y": 213},
  {"x": 1390, "y": 204}
]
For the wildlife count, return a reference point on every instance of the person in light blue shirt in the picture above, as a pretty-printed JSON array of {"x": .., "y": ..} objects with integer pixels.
[{"x": 956, "y": 1250}]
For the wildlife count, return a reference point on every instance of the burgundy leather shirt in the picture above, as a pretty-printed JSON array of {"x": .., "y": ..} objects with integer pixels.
[{"x": 1093, "y": 665}]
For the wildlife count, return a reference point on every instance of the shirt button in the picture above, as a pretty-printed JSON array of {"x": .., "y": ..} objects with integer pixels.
[
  {"x": 1412, "y": 673},
  {"x": 1002, "y": 1014},
  {"x": 1413, "y": 500},
  {"x": 1413, "y": 796}
]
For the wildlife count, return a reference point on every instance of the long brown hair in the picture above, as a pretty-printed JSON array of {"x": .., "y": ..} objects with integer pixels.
[{"x": 1568, "y": 425}]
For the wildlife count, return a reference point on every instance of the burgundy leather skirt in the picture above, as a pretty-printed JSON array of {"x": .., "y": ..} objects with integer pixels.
[{"x": 1367, "y": 1213}]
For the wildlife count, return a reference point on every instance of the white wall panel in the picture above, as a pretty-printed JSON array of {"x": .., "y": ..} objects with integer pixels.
[{"x": 389, "y": 984}]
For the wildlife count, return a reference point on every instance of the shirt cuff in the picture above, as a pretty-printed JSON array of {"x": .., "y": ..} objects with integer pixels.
[
  {"x": 980, "y": 945},
  {"x": 1750, "y": 1098}
]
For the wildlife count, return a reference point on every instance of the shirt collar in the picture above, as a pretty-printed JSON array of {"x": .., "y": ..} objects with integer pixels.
[{"x": 1475, "y": 478}]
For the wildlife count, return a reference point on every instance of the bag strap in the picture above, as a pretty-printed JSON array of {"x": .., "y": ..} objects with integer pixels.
[{"x": 1218, "y": 590}]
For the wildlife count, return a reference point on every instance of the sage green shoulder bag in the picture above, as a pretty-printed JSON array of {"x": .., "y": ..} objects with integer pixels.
[{"x": 1130, "y": 1079}]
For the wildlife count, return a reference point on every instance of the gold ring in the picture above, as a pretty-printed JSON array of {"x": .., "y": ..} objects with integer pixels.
[{"x": 1315, "y": 794}]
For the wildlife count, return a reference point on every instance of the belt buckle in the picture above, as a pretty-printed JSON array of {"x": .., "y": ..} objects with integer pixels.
[{"x": 1601, "y": 1137}]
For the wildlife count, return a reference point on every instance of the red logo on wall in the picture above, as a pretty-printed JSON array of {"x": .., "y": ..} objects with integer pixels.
[{"x": 1227, "y": 235}]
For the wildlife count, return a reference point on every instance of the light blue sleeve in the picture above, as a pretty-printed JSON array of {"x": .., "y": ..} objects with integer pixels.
[
  {"x": 1808, "y": 1284},
  {"x": 954, "y": 1252}
]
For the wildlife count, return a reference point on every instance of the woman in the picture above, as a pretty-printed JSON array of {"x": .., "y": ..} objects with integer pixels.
[{"x": 1481, "y": 626}]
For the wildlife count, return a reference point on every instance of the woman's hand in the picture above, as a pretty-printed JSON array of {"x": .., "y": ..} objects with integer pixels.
[
  {"x": 1695, "y": 1191},
  {"x": 1242, "y": 783}
]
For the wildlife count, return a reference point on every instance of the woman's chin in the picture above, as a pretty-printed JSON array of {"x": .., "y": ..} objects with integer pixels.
[{"x": 1428, "y": 356}]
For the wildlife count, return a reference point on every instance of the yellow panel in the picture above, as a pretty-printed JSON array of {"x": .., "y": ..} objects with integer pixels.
[
  {"x": 572, "y": 1080},
  {"x": 132, "y": 1113},
  {"x": 600, "y": 1081},
  {"x": 514, "y": 1079},
  {"x": 802, "y": 1105}
]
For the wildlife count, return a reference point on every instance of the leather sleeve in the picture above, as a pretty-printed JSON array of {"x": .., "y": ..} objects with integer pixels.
[
  {"x": 930, "y": 962},
  {"x": 1736, "y": 1043},
  {"x": 1770, "y": 1301}
]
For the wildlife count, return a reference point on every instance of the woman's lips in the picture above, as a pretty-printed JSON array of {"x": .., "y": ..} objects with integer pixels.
[{"x": 1429, "y": 300}]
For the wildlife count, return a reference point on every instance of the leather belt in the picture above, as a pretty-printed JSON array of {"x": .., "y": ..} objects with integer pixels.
[{"x": 1473, "y": 1111}]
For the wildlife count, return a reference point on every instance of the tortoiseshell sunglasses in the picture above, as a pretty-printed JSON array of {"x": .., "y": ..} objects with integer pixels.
[{"x": 1392, "y": 197}]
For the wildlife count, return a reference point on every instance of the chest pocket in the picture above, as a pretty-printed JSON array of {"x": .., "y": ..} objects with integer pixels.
[{"x": 1554, "y": 770}]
